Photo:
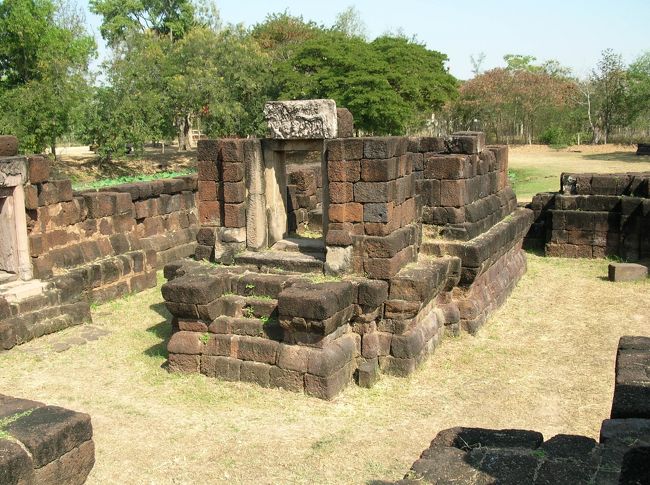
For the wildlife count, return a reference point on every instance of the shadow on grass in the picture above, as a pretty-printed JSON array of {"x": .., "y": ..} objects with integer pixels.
[
  {"x": 624, "y": 157},
  {"x": 162, "y": 330}
]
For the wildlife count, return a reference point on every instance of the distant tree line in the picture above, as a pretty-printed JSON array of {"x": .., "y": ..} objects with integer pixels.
[
  {"x": 174, "y": 67},
  {"x": 527, "y": 102}
]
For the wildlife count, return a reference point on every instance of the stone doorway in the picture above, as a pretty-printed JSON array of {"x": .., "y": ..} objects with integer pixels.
[{"x": 295, "y": 194}]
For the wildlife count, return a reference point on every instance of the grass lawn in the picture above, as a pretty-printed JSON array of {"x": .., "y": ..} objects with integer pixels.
[
  {"x": 544, "y": 361},
  {"x": 538, "y": 168}
]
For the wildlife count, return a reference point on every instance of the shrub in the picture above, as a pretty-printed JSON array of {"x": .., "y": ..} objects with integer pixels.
[{"x": 554, "y": 135}]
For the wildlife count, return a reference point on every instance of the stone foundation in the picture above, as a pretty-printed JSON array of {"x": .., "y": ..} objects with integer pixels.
[
  {"x": 594, "y": 216},
  {"x": 42, "y": 444},
  {"x": 393, "y": 292},
  {"x": 292, "y": 331},
  {"x": 83, "y": 247}
]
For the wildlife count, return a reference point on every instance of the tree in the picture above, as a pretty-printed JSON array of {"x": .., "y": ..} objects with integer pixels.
[
  {"x": 350, "y": 23},
  {"x": 121, "y": 18},
  {"x": 158, "y": 88},
  {"x": 44, "y": 56},
  {"x": 477, "y": 63},
  {"x": 281, "y": 34},
  {"x": 391, "y": 84},
  {"x": 518, "y": 102},
  {"x": 638, "y": 102},
  {"x": 609, "y": 82}
]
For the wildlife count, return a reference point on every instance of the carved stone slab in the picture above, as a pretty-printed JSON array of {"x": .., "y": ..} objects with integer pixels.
[
  {"x": 307, "y": 119},
  {"x": 13, "y": 171}
]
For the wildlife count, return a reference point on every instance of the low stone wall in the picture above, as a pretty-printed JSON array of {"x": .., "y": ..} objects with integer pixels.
[
  {"x": 291, "y": 331},
  {"x": 93, "y": 246},
  {"x": 45, "y": 445},
  {"x": 594, "y": 216},
  {"x": 475, "y": 455},
  {"x": 463, "y": 185}
]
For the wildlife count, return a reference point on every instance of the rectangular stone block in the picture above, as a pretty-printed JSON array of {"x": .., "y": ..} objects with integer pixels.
[
  {"x": 232, "y": 171},
  {"x": 341, "y": 192},
  {"x": 379, "y": 170},
  {"x": 378, "y": 212},
  {"x": 450, "y": 167},
  {"x": 344, "y": 149},
  {"x": 349, "y": 212},
  {"x": 374, "y": 191},
  {"x": 207, "y": 190},
  {"x": 234, "y": 215},
  {"x": 344, "y": 170}
]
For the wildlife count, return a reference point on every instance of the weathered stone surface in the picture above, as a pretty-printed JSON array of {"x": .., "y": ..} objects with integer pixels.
[
  {"x": 16, "y": 467},
  {"x": 315, "y": 301},
  {"x": 467, "y": 438},
  {"x": 70, "y": 469},
  {"x": 338, "y": 259},
  {"x": 199, "y": 289},
  {"x": 50, "y": 431},
  {"x": 345, "y": 123},
  {"x": 627, "y": 272},
  {"x": 305, "y": 119},
  {"x": 632, "y": 386}
]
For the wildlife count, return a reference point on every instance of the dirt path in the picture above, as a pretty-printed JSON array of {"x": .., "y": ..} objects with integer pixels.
[{"x": 545, "y": 361}]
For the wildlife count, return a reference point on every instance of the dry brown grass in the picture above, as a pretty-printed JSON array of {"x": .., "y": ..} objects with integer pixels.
[
  {"x": 538, "y": 167},
  {"x": 81, "y": 165},
  {"x": 545, "y": 361}
]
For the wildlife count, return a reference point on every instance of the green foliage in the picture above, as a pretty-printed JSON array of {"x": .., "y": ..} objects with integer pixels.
[
  {"x": 608, "y": 104},
  {"x": 159, "y": 88},
  {"x": 638, "y": 99},
  {"x": 554, "y": 135},
  {"x": 390, "y": 84},
  {"x": 44, "y": 56},
  {"x": 124, "y": 18}
]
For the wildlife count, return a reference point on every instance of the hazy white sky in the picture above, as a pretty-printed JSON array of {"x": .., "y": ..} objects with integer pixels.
[{"x": 571, "y": 31}]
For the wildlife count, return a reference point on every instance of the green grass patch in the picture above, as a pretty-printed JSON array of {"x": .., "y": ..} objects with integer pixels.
[
  {"x": 527, "y": 182},
  {"x": 110, "y": 182}
]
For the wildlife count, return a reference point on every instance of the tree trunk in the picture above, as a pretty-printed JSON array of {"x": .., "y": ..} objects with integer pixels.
[{"x": 184, "y": 127}]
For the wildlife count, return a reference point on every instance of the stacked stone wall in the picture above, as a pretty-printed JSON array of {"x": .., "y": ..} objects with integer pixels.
[
  {"x": 287, "y": 330},
  {"x": 462, "y": 183},
  {"x": 113, "y": 239},
  {"x": 373, "y": 219},
  {"x": 594, "y": 216},
  {"x": 94, "y": 246}
]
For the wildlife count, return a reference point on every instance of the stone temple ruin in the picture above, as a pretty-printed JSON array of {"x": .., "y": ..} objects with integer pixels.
[{"x": 407, "y": 238}]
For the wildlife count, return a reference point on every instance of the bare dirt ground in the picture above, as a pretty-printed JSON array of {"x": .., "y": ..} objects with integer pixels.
[
  {"x": 81, "y": 165},
  {"x": 544, "y": 361},
  {"x": 538, "y": 167}
]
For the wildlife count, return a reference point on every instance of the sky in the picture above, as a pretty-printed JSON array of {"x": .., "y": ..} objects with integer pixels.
[{"x": 573, "y": 32}]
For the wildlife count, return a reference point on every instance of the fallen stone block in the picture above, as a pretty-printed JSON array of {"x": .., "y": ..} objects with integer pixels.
[{"x": 627, "y": 272}]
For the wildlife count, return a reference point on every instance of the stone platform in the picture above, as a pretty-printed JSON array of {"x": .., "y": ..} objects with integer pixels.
[{"x": 306, "y": 333}]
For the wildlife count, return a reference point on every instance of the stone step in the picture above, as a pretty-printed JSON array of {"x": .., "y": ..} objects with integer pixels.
[
  {"x": 283, "y": 260},
  {"x": 7, "y": 277},
  {"x": 17, "y": 291},
  {"x": 300, "y": 245}
]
